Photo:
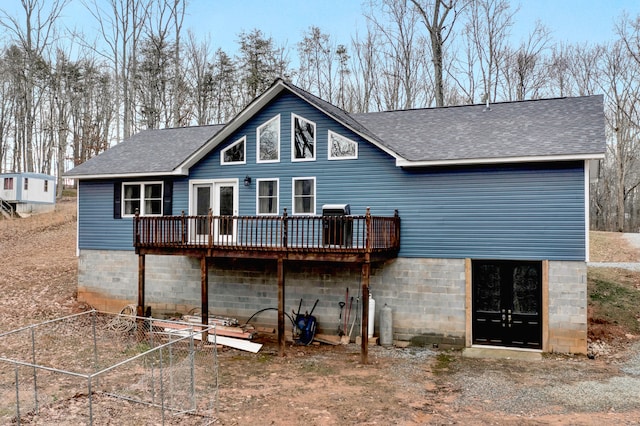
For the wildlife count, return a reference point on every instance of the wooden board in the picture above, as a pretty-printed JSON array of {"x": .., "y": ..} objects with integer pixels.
[
  {"x": 220, "y": 330},
  {"x": 241, "y": 344},
  {"x": 328, "y": 339}
]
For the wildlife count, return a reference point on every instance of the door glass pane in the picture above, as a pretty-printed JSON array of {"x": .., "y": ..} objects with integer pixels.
[
  {"x": 226, "y": 209},
  {"x": 526, "y": 280},
  {"x": 487, "y": 288},
  {"x": 203, "y": 203}
]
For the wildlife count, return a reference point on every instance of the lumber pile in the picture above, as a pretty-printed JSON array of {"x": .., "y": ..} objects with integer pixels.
[
  {"x": 228, "y": 327},
  {"x": 227, "y": 331}
]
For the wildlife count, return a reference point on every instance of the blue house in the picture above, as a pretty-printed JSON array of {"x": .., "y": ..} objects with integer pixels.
[{"x": 469, "y": 222}]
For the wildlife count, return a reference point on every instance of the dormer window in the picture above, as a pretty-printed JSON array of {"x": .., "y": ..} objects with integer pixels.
[
  {"x": 303, "y": 139},
  {"x": 234, "y": 153},
  {"x": 268, "y": 141},
  {"x": 341, "y": 148}
]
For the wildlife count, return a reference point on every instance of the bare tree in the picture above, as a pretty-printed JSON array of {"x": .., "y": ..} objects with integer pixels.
[
  {"x": 33, "y": 36},
  {"x": 121, "y": 26},
  {"x": 317, "y": 55},
  {"x": 622, "y": 78},
  {"x": 525, "y": 70},
  {"x": 439, "y": 17},
  {"x": 487, "y": 31},
  {"x": 365, "y": 71}
]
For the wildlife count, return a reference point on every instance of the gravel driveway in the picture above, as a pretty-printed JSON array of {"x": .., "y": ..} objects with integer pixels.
[{"x": 553, "y": 387}]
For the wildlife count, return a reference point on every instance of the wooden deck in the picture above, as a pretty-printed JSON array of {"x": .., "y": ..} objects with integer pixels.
[
  {"x": 357, "y": 239},
  {"x": 321, "y": 238}
]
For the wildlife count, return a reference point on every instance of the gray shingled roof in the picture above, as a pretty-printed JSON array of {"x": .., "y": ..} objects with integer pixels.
[
  {"x": 148, "y": 152},
  {"x": 550, "y": 127},
  {"x": 562, "y": 127}
]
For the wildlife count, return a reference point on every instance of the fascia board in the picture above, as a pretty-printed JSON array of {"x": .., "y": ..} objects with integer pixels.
[
  {"x": 176, "y": 172},
  {"x": 401, "y": 162}
]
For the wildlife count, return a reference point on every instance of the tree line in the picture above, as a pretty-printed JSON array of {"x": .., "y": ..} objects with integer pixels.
[{"x": 65, "y": 98}]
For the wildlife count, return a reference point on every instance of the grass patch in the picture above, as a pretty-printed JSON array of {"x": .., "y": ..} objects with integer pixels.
[
  {"x": 614, "y": 299},
  {"x": 443, "y": 363},
  {"x": 69, "y": 192}
]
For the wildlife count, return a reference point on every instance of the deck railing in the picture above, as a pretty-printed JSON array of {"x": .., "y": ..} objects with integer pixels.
[{"x": 270, "y": 233}]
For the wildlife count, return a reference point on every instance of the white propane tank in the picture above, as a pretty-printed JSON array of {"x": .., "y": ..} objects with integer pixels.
[
  {"x": 386, "y": 326},
  {"x": 372, "y": 315}
]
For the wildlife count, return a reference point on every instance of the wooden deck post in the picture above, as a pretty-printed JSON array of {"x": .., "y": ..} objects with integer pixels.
[
  {"x": 364, "y": 332},
  {"x": 366, "y": 273},
  {"x": 204, "y": 296},
  {"x": 140, "y": 308},
  {"x": 281, "y": 342}
]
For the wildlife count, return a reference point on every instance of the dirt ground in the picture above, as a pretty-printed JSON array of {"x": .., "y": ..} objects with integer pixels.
[{"x": 327, "y": 385}]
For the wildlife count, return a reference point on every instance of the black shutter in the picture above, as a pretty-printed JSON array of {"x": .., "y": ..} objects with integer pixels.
[
  {"x": 117, "y": 200},
  {"x": 167, "y": 198}
]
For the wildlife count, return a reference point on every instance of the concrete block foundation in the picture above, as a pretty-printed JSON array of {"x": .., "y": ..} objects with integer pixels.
[{"x": 427, "y": 296}]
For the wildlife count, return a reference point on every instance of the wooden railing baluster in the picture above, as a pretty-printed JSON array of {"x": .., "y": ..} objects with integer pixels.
[{"x": 321, "y": 234}]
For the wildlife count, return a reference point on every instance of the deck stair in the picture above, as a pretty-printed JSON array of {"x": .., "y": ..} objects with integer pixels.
[{"x": 7, "y": 209}]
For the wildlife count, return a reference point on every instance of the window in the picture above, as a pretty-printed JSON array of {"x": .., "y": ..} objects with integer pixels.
[
  {"x": 146, "y": 197},
  {"x": 8, "y": 183},
  {"x": 268, "y": 196},
  {"x": 234, "y": 153},
  {"x": 303, "y": 139},
  {"x": 341, "y": 148},
  {"x": 46, "y": 186},
  {"x": 26, "y": 184},
  {"x": 269, "y": 141},
  {"x": 304, "y": 195}
]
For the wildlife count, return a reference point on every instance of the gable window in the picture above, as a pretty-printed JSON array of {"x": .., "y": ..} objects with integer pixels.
[
  {"x": 8, "y": 183},
  {"x": 303, "y": 139},
  {"x": 46, "y": 186},
  {"x": 268, "y": 196},
  {"x": 341, "y": 148},
  {"x": 268, "y": 141},
  {"x": 234, "y": 153},
  {"x": 145, "y": 197},
  {"x": 304, "y": 195},
  {"x": 26, "y": 184}
]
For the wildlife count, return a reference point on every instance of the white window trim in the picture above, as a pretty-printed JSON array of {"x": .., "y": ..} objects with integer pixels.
[
  {"x": 329, "y": 157},
  {"x": 142, "y": 199},
  {"x": 293, "y": 139},
  {"x": 277, "y": 181},
  {"x": 242, "y": 140},
  {"x": 258, "y": 160},
  {"x": 293, "y": 196}
]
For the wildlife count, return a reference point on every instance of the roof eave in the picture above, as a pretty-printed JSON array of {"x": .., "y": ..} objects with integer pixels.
[
  {"x": 401, "y": 162},
  {"x": 177, "y": 172}
]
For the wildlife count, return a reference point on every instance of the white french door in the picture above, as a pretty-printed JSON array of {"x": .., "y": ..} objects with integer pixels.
[{"x": 222, "y": 198}]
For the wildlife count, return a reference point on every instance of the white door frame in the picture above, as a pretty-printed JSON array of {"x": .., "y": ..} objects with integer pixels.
[{"x": 215, "y": 185}]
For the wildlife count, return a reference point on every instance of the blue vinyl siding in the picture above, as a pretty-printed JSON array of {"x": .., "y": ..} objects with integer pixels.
[
  {"x": 97, "y": 229},
  {"x": 531, "y": 211}
]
